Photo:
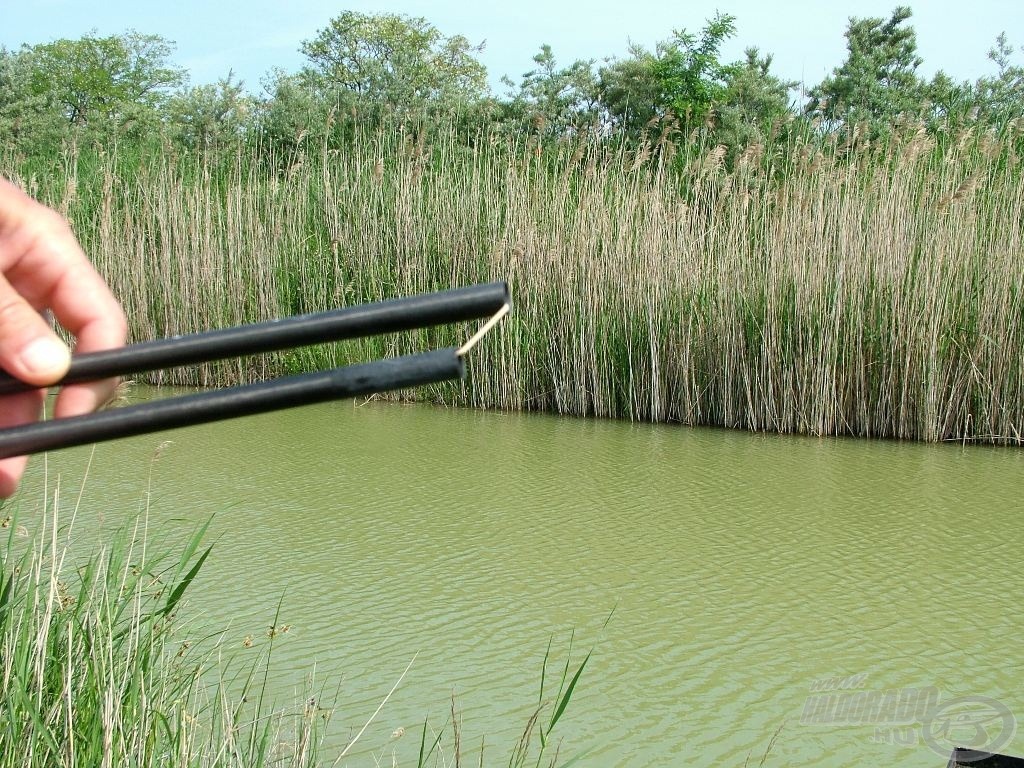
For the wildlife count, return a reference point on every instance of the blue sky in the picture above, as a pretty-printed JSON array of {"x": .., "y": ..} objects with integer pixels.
[{"x": 805, "y": 36}]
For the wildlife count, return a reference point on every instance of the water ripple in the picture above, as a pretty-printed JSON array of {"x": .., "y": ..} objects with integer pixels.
[{"x": 741, "y": 568}]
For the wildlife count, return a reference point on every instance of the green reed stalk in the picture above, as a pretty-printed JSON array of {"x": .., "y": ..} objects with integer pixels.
[
  {"x": 97, "y": 667},
  {"x": 97, "y": 671}
]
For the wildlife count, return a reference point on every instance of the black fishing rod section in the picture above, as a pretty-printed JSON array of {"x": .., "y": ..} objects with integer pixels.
[
  {"x": 350, "y": 381},
  {"x": 421, "y": 311}
]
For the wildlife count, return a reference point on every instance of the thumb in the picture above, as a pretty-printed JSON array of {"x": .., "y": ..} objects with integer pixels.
[{"x": 29, "y": 349}]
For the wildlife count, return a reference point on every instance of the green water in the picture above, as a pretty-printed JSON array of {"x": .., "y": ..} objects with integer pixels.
[{"x": 741, "y": 569}]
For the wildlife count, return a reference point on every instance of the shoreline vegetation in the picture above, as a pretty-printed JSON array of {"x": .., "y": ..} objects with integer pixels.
[
  {"x": 101, "y": 664},
  {"x": 686, "y": 239},
  {"x": 822, "y": 286}
]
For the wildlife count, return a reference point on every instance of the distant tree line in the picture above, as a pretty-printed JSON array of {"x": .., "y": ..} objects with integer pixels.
[{"x": 398, "y": 70}]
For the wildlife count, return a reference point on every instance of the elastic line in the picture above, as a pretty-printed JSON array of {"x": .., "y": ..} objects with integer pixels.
[{"x": 465, "y": 348}]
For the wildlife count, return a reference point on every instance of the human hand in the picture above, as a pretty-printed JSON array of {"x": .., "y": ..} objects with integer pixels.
[{"x": 43, "y": 267}]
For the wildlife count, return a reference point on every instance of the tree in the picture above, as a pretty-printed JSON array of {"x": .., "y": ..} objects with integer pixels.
[
  {"x": 556, "y": 100},
  {"x": 210, "y": 115},
  {"x": 683, "y": 78},
  {"x": 878, "y": 80},
  {"x": 401, "y": 63},
  {"x": 947, "y": 101},
  {"x": 291, "y": 113},
  {"x": 27, "y": 120},
  {"x": 690, "y": 75},
  {"x": 630, "y": 91},
  {"x": 1001, "y": 98},
  {"x": 105, "y": 79},
  {"x": 754, "y": 102}
]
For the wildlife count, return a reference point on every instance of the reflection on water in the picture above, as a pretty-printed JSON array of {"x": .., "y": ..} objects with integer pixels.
[{"x": 742, "y": 568}]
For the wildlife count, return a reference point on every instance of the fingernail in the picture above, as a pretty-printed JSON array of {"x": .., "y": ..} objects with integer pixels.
[{"x": 46, "y": 356}]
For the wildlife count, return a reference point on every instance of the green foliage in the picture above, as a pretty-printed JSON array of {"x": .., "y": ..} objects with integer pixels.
[
  {"x": 211, "y": 116},
  {"x": 754, "y": 104},
  {"x": 85, "y": 90},
  {"x": 690, "y": 75},
  {"x": 630, "y": 91},
  {"x": 947, "y": 102},
  {"x": 401, "y": 72},
  {"x": 291, "y": 111},
  {"x": 401, "y": 63},
  {"x": 100, "y": 670},
  {"x": 28, "y": 120},
  {"x": 544, "y": 731},
  {"x": 554, "y": 100},
  {"x": 683, "y": 79},
  {"x": 878, "y": 81},
  {"x": 1001, "y": 98},
  {"x": 91, "y": 675},
  {"x": 110, "y": 79}
]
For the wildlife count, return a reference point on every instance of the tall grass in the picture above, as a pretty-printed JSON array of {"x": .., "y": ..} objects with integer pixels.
[
  {"x": 96, "y": 669},
  {"x": 821, "y": 286},
  {"x": 99, "y": 667}
]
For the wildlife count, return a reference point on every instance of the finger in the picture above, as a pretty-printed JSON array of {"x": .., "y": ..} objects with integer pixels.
[
  {"x": 84, "y": 306},
  {"x": 42, "y": 265},
  {"x": 76, "y": 399},
  {"x": 100, "y": 325},
  {"x": 50, "y": 270},
  {"x": 29, "y": 350},
  {"x": 47, "y": 267},
  {"x": 22, "y": 408}
]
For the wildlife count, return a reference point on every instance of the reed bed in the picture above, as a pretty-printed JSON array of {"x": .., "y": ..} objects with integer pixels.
[
  {"x": 97, "y": 668},
  {"x": 817, "y": 286},
  {"x": 100, "y": 667}
]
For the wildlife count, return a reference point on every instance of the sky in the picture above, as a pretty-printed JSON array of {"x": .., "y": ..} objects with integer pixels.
[{"x": 251, "y": 38}]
